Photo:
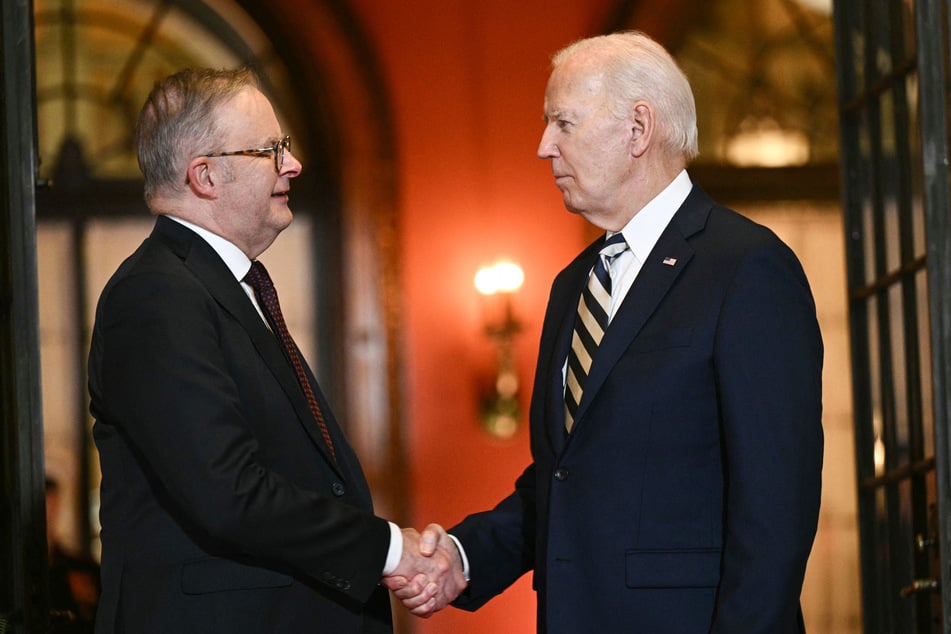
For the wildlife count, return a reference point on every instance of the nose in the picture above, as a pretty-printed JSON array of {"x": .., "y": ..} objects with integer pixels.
[
  {"x": 291, "y": 167},
  {"x": 547, "y": 148}
]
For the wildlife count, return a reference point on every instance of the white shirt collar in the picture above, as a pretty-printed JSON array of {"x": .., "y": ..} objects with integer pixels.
[
  {"x": 644, "y": 229},
  {"x": 233, "y": 257}
]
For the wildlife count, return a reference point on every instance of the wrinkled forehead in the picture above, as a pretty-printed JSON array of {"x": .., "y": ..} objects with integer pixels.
[{"x": 574, "y": 85}]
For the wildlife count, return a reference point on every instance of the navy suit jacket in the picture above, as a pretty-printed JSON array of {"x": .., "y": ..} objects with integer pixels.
[
  {"x": 686, "y": 498},
  {"x": 221, "y": 508}
]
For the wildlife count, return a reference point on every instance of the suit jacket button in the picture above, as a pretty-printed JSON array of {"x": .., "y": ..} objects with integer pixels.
[
  {"x": 337, "y": 489},
  {"x": 561, "y": 474}
]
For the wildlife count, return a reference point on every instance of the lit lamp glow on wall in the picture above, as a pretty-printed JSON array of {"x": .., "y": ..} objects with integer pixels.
[
  {"x": 500, "y": 412},
  {"x": 761, "y": 142}
]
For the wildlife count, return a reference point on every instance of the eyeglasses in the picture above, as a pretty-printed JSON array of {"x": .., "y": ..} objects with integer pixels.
[{"x": 277, "y": 150}]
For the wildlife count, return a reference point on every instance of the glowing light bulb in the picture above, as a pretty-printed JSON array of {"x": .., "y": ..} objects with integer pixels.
[{"x": 504, "y": 276}]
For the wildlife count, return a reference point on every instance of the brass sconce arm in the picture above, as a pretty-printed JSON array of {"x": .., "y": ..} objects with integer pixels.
[{"x": 500, "y": 410}]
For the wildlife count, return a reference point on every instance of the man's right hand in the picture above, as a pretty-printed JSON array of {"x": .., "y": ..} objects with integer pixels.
[{"x": 429, "y": 576}]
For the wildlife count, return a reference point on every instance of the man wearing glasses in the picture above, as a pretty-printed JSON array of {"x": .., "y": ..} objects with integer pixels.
[{"x": 231, "y": 500}]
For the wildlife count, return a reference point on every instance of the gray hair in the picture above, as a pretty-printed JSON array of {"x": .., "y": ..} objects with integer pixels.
[
  {"x": 638, "y": 68},
  {"x": 178, "y": 122}
]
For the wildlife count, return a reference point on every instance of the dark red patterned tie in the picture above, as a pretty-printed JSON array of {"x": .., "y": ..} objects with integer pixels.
[{"x": 258, "y": 279}]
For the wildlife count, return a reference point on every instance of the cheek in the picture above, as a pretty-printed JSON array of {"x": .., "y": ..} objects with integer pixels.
[
  {"x": 594, "y": 158},
  {"x": 612, "y": 163}
]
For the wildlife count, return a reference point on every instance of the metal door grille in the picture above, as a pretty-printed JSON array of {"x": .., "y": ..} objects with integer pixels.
[{"x": 893, "y": 115}]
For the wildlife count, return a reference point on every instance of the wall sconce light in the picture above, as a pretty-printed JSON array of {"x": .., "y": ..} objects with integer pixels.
[{"x": 500, "y": 411}]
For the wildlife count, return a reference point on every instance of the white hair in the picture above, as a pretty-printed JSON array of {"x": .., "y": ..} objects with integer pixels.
[{"x": 636, "y": 68}]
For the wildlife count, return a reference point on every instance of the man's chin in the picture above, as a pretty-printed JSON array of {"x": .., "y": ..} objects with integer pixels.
[
  {"x": 572, "y": 208},
  {"x": 283, "y": 217}
]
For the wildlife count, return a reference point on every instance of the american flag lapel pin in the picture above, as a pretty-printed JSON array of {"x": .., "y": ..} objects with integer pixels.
[{"x": 670, "y": 261}]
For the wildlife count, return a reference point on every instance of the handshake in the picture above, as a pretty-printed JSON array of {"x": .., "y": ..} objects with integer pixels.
[{"x": 430, "y": 573}]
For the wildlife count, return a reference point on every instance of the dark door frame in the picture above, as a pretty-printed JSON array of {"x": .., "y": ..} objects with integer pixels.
[
  {"x": 23, "y": 550},
  {"x": 933, "y": 28}
]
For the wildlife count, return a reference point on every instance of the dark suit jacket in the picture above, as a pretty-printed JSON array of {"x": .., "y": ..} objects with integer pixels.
[
  {"x": 686, "y": 498},
  {"x": 221, "y": 508}
]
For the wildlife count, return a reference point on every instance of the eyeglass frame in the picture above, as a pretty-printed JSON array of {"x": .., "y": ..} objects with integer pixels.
[{"x": 283, "y": 145}]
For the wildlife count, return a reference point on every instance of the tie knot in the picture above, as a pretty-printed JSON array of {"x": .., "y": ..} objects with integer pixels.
[
  {"x": 614, "y": 246},
  {"x": 257, "y": 277}
]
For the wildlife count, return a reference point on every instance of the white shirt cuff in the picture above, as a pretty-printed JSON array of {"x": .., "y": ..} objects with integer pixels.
[
  {"x": 395, "y": 553},
  {"x": 462, "y": 555}
]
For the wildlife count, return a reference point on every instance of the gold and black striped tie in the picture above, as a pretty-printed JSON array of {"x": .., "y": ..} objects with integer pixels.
[{"x": 590, "y": 324}]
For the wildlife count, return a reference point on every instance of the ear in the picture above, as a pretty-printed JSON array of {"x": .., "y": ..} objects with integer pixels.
[
  {"x": 200, "y": 178},
  {"x": 642, "y": 127}
]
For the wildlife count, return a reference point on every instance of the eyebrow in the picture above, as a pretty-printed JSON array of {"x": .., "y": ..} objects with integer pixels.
[{"x": 556, "y": 114}]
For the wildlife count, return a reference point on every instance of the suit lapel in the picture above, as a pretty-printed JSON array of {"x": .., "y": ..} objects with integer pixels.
[
  {"x": 648, "y": 290},
  {"x": 668, "y": 259},
  {"x": 207, "y": 266},
  {"x": 556, "y": 339}
]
